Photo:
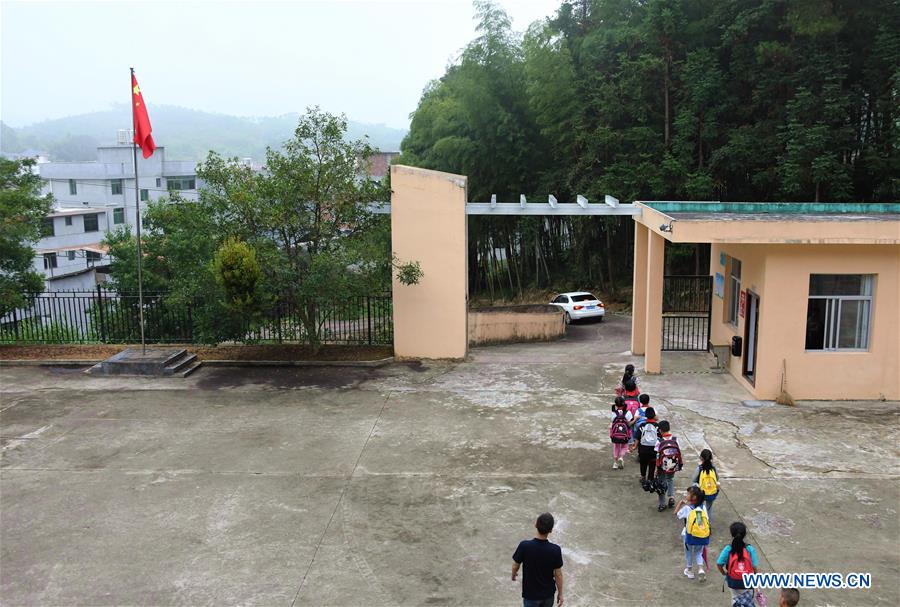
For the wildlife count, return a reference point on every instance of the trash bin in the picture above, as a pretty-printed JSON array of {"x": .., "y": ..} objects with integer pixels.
[{"x": 737, "y": 346}]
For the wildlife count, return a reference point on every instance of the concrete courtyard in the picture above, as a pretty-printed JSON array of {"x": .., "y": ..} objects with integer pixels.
[{"x": 411, "y": 484}]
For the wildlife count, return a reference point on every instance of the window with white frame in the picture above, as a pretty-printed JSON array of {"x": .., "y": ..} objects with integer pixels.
[
  {"x": 73, "y": 187},
  {"x": 181, "y": 183},
  {"x": 734, "y": 291},
  {"x": 839, "y": 313},
  {"x": 116, "y": 185},
  {"x": 118, "y": 215},
  {"x": 49, "y": 261},
  {"x": 91, "y": 222},
  {"x": 70, "y": 255}
]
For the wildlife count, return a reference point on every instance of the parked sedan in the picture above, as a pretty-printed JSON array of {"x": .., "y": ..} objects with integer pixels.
[{"x": 578, "y": 305}]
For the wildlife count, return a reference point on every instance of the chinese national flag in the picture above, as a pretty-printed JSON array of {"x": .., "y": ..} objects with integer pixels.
[{"x": 143, "y": 136}]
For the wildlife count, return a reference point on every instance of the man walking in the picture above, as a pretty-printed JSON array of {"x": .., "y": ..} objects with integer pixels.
[{"x": 542, "y": 576}]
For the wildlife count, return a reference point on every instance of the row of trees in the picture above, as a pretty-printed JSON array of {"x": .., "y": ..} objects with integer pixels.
[
  {"x": 299, "y": 234},
  {"x": 755, "y": 100}
]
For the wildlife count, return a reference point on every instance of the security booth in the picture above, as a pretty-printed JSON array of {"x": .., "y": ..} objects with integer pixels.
[{"x": 804, "y": 295}]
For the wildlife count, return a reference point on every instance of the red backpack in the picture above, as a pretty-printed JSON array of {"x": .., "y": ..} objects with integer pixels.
[
  {"x": 737, "y": 567},
  {"x": 619, "y": 431},
  {"x": 668, "y": 458}
]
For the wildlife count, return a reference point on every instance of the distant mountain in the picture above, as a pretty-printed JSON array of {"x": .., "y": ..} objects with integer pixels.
[{"x": 187, "y": 134}]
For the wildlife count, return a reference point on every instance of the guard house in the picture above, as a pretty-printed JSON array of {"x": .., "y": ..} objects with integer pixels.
[{"x": 805, "y": 291}]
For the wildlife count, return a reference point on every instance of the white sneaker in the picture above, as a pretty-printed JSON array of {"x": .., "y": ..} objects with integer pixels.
[
  {"x": 689, "y": 574},
  {"x": 701, "y": 575},
  {"x": 615, "y": 465},
  {"x": 621, "y": 464}
]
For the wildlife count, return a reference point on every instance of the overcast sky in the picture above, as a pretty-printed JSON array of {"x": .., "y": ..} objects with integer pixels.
[{"x": 368, "y": 59}]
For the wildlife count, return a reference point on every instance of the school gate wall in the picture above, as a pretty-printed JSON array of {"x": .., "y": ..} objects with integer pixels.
[{"x": 779, "y": 275}]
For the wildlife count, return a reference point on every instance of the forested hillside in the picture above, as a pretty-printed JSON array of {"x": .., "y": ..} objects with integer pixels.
[
  {"x": 750, "y": 100},
  {"x": 187, "y": 134}
]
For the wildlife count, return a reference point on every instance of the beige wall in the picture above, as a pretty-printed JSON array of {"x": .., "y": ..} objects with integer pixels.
[
  {"x": 506, "y": 325},
  {"x": 779, "y": 274},
  {"x": 639, "y": 290},
  {"x": 428, "y": 225}
]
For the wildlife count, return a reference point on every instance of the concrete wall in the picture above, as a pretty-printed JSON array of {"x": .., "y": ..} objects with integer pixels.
[
  {"x": 428, "y": 225},
  {"x": 779, "y": 274},
  {"x": 511, "y": 324}
]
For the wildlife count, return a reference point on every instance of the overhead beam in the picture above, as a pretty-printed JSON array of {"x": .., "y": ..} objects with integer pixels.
[
  {"x": 524, "y": 207},
  {"x": 561, "y": 208}
]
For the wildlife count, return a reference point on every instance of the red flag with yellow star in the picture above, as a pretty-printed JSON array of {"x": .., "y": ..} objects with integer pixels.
[{"x": 143, "y": 136}]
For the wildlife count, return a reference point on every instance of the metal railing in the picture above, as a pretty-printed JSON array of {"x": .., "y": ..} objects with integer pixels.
[{"x": 102, "y": 316}]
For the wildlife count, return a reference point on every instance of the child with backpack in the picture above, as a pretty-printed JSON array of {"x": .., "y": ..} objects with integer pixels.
[
  {"x": 620, "y": 432},
  {"x": 628, "y": 376},
  {"x": 640, "y": 417},
  {"x": 668, "y": 462},
  {"x": 735, "y": 560},
  {"x": 646, "y": 438},
  {"x": 631, "y": 394},
  {"x": 695, "y": 533},
  {"x": 707, "y": 479}
]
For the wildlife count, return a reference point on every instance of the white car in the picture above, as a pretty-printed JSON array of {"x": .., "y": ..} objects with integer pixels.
[{"x": 578, "y": 305}]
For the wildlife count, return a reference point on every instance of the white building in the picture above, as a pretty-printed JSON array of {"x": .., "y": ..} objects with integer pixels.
[{"x": 95, "y": 197}]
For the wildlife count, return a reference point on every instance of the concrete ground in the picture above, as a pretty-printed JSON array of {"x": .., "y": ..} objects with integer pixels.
[{"x": 411, "y": 484}]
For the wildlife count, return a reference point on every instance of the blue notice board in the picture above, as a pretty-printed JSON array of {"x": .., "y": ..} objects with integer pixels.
[
  {"x": 720, "y": 286},
  {"x": 721, "y": 258}
]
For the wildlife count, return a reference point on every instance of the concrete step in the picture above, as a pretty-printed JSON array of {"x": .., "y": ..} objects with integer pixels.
[
  {"x": 179, "y": 363},
  {"x": 155, "y": 362},
  {"x": 197, "y": 364}
]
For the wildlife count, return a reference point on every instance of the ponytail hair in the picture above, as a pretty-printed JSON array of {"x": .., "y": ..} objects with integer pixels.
[
  {"x": 629, "y": 373},
  {"x": 706, "y": 460},
  {"x": 738, "y": 533}
]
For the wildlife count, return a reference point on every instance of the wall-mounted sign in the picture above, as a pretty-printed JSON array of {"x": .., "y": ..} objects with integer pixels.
[
  {"x": 743, "y": 302},
  {"x": 720, "y": 286},
  {"x": 721, "y": 258}
]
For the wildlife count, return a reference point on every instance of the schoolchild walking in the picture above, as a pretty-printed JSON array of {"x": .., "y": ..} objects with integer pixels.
[
  {"x": 734, "y": 561},
  {"x": 696, "y": 532},
  {"x": 640, "y": 417},
  {"x": 668, "y": 462},
  {"x": 626, "y": 377},
  {"x": 620, "y": 432},
  {"x": 646, "y": 439},
  {"x": 707, "y": 478}
]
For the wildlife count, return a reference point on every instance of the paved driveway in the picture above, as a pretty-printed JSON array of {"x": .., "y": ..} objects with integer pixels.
[{"x": 412, "y": 484}]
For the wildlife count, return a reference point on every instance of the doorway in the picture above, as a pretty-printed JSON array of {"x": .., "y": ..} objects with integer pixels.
[{"x": 751, "y": 336}]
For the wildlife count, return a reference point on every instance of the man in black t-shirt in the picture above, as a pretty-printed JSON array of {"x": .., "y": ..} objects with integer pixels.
[{"x": 542, "y": 576}]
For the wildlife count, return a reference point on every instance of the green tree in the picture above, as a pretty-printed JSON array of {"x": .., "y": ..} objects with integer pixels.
[
  {"x": 298, "y": 235},
  {"x": 237, "y": 271},
  {"x": 22, "y": 214}
]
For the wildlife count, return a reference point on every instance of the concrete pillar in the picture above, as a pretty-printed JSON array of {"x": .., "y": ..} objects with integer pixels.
[
  {"x": 656, "y": 247},
  {"x": 428, "y": 225},
  {"x": 639, "y": 289}
]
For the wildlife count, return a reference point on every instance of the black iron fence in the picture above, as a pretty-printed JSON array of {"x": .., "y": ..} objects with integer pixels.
[
  {"x": 687, "y": 303},
  {"x": 103, "y": 316}
]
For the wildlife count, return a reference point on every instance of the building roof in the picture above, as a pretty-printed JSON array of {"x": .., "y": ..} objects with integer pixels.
[
  {"x": 62, "y": 212},
  {"x": 94, "y": 247},
  {"x": 773, "y": 222},
  {"x": 777, "y": 211}
]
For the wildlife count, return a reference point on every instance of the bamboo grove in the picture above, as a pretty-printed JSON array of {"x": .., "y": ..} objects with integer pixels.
[{"x": 746, "y": 100}]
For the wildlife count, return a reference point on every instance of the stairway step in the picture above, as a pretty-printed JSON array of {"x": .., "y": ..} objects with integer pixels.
[
  {"x": 197, "y": 364},
  {"x": 180, "y": 364}
]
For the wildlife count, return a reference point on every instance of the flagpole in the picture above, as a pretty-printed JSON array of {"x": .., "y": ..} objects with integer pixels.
[{"x": 137, "y": 215}]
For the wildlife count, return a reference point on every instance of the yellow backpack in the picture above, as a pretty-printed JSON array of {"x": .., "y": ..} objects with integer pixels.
[
  {"x": 698, "y": 523},
  {"x": 708, "y": 481}
]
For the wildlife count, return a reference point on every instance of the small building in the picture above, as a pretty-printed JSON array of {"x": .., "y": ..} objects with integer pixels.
[
  {"x": 93, "y": 198},
  {"x": 805, "y": 293},
  {"x": 108, "y": 181}
]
